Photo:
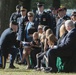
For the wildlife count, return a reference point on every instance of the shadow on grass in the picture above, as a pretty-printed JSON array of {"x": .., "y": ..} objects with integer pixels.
[{"x": 16, "y": 70}]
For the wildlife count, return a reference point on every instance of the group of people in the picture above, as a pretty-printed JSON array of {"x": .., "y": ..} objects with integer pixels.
[{"x": 39, "y": 38}]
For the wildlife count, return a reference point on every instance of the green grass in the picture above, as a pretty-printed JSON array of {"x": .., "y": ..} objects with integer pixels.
[{"x": 22, "y": 71}]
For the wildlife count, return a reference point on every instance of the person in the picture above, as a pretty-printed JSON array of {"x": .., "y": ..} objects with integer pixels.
[
  {"x": 9, "y": 44},
  {"x": 73, "y": 17},
  {"x": 61, "y": 18},
  {"x": 16, "y": 14},
  {"x": 41, "y": 16},
  {"x": 22, "y": 23},
  {"x": 36, "y": 48},
  {"x": 52, "y": 40},
  {"x": 45, "y": 46},
  {"x": 40, "y": 30},
  {"x": 65, "y": 49},
  {"x": 29, "y": 25}
]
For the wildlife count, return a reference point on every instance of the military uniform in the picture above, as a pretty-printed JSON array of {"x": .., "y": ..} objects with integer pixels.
[
  {"x": 22, "y": 23},
  {"x": 8, "y": 44},
  {"x": 42, "y": 17},
  {"x": 16, "y": 14}
]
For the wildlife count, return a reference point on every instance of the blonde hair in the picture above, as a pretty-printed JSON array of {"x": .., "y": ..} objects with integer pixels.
[
  {"x": 48, "y": 32},
  {"x": 35, "y": 33},
  {"x": 62, "y": 30},
  {"x": 52, "y": 38}
]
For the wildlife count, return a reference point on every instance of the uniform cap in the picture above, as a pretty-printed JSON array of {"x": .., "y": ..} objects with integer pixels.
[
  {"x": 39, "y": 4},
  {"x": 23, "y": 8},
  {"x": 14, "y": 23}
]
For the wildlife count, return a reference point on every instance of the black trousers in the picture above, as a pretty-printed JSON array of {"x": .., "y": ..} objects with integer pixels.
[
  {"x": 54, "y": 53},
  {"x": 13, "y": 52},
  {"x": 33, "y": 55}
]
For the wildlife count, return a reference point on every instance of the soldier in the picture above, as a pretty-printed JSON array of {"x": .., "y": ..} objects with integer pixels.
[
  {"x": 8, "y": 44},
  {"x": 61, "y": 18},
  {"x": 16, "y": 14},
  {"x": 42, "y": 17},
  {"x": 22, "y": 23}
]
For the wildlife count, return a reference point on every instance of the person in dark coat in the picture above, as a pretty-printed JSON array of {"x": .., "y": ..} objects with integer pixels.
[
  {"x": 66, "y": 49},
  {"x": 8, "y": 43}
]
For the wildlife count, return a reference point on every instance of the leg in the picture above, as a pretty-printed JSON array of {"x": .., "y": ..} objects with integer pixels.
[{"x": 13, "y": 52}]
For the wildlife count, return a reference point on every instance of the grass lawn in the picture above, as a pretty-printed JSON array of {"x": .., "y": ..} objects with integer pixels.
[{"x": 22, "y": 71}]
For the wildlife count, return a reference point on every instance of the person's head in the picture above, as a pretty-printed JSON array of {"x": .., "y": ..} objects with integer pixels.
[
  {"x": 35, "y": 36},
  {"x": 60, "y": 12},
  {"x": 54, "y": 10},
  {"x": 52, "y": 40},
  {"x": 23, "y": 10},
  {"x": 48, "y": 32},
  {"x": 69, "y": 25},
  {"x": 62, "y": 30},
  {"x": 40, "y": 6},
  {"x": 64, "y": 10},
  {"x": 14, "y": 26},
  {"x": 30, "y": 15},
  {"x": 45, "y": 28},
  {"x": 40, "y": 29},
  {"x": 73, "y": 16}
]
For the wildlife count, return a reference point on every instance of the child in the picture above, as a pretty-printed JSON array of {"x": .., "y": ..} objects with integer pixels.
[
  {"x": 36, "y": 47},
  {"x": 51, "y": 42}
]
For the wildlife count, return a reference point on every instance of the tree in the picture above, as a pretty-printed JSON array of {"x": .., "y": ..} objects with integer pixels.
[
  {"x": 6, "y": 8},
  {"x": 56, "y": 3}
]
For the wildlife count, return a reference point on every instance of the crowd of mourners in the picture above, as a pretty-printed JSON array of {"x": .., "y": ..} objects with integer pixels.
[{"x": 40, "y": 40}]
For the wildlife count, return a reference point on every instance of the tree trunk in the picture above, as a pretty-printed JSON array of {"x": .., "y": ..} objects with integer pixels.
[
  {"x": 7, "y": 7},
  {"x": 26, "y": 3},
  {"x": 56, "y": 3}
]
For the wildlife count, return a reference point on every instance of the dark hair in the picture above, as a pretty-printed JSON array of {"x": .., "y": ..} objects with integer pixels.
[
  {"x": 45, "y": 28},
  {"x": 32, "y": 30}
]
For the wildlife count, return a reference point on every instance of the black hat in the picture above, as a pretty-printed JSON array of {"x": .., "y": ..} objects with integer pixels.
[
  {"x": 39, "y": 4},
  {"x": 14, "y": 23},
  {"x": 23, "y": 8}
]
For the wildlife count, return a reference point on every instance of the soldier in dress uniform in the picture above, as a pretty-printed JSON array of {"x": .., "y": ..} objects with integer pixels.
[
  {"x": 42, "y": 17},
  {"x": 9, "y": 44},
  {"x": 16, "y": 14},
  {"x": 22, "y": 23}
]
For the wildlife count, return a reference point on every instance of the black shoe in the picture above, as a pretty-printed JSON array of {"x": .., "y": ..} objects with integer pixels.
[{"x": 13, "y": 67}]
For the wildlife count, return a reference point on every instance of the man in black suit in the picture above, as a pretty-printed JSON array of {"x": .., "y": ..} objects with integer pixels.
[
  {"x": 67, "y": 47},
  {"x": 8, "y": 44}
]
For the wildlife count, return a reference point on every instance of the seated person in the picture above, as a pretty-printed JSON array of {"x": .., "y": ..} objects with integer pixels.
[
  {"x": 66, "y": 49},
  {"x": 36, "y": 48}
]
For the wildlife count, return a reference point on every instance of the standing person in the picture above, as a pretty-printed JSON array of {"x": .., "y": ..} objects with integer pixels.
[
  {"x": 16, "y": 14},
  {"x": 8, "y": 43},
  {"x": 61, "y": 18},
  {"x": 22, "y": 23},
  {"x": 41, "y": 16},
  {"x": 66, "y": 49}
]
